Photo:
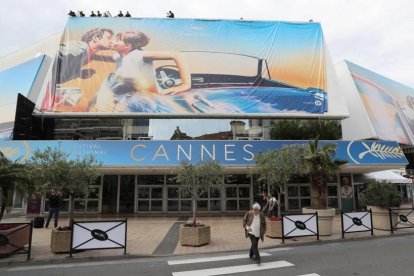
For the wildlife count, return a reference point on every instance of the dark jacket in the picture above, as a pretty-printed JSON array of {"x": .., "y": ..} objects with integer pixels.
[
  {"x": 248, "y": 219},
  {"x": 54, "y": 201}
]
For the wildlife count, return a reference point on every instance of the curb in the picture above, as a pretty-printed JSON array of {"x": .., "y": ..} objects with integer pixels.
[{"x": 81, "y": 259}]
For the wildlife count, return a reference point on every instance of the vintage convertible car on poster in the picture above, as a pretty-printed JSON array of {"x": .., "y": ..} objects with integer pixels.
[{"x": 223, "y": 83}]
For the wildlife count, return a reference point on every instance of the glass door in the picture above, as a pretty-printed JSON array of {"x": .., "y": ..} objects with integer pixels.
[
  {"x": 127, "y": 194},
  {"x": 109, "y": 194}
]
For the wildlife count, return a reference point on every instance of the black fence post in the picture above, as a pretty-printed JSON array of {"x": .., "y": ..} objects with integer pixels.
[
  {"x": 71, "y": 237},
  {"x": 317, "y": 225},
  {"x": 283, "y": 230},
  {"x": 390, "y": 214},
  {"x": 372, "y": 224},
  {"x": 126, "y": 230},
  {"x": 342, "y": 224},
  {"x": 29, "y": 251}
]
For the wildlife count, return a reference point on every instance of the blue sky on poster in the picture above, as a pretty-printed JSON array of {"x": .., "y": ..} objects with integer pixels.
[{"x": 376, "y": 34}]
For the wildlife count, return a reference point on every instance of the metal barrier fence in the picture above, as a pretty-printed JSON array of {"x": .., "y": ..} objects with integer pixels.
[
  {"x": 94, "y": 235},
  {"x": 14, "y": 237},
  {"x": 356, "y": 222},
  {"x": 300, "y": 226},
  {"x": 403, "y": 218}
]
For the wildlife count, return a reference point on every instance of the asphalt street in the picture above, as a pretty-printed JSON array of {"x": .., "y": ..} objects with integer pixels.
[{"x": 380, "y": 257}]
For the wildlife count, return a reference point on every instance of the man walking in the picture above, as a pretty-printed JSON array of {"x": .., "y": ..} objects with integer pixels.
[
  {"x": 54, "y": 200},
  {"x": 254, "y": 223}
]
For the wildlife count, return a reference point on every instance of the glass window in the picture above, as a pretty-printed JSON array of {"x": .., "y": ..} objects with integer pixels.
[
  {"x": 231, "y": 192},
  {"x": 244, "y": 192},
  {"x": 305, "y": 191},
  {"x": 79, "y": 206},
  {"x": 92, "y": 206},
  {"x": 143, "y": 206},
  {"x": 305, "y": 202},
  {"x": 185, "y": 205},
  {"x": 156, "y": 205},
  {"x": 202, "y": 205},
  {"x": 171, "y": 180},
  {"x": 151, "y": 180},
  {"x": 185, "y": 194},
  {"x": 333, "y": 202},
  {"x": 293, "y": 203},
  {"x": 231, "y": 205},
  {"x": 173, "y": 192},
  {"x": 156, "y": 193},
  {"x": 143, "y": 192},
  {"x": 332, "y": 190},
  {"x": 237, "y": 179},
  {"x": 173, "y": 205},
  {"x": 244, "y": 205},
  {"x": 215, "y": 205},
  {"x": 214, "y": 193},
  {"x": 293, "y": 191},
  {"x": 93, "y": 192}
]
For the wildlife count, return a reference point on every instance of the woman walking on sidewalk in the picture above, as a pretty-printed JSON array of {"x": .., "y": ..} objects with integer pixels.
[{"x": 254, "y": 223}]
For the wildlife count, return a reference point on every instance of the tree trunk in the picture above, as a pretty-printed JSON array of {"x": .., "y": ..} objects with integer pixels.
[
  {"x": 318, "y": 192},
  {"x": 4, "y": 201},
  {"x": 194, "y": 212},
  {"x": 279, "y": 208}
]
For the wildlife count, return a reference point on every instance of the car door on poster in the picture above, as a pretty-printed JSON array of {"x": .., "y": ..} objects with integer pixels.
[{"x": 347, "y": 193}]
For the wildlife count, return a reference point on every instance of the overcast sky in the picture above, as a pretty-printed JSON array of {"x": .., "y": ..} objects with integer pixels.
[{"x": 376, "y": 34}]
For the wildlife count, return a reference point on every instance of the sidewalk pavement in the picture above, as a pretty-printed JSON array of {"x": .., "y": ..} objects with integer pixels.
[{"x": 147, "y": 235}]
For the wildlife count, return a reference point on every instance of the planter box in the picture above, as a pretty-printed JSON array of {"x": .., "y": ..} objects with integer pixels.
[
  {"x": 194, "y": 236},
  {"x": 274, "y": 228},
  {"x": 381, "y": 218},
  {"x": 325, "y": 219},
  {"x": 13, "y": 238},
  {"x": 60, "y": 241}
]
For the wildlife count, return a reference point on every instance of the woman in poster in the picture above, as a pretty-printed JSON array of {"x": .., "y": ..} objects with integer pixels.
[{"x": 135, "y": 74}]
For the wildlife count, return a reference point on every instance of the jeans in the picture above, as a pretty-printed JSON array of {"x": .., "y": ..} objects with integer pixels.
[
  {"x": 53, "y": 211},
  {"x": 254, "y": 249}
]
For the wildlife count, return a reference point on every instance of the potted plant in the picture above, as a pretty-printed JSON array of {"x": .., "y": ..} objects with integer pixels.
[
  {"x": 275, "y": 168},
  {"x": 52, "y": 169},
  {"x": 196, "y": 180},
  {"x": 379, "y": 197},
  {"x": 319, "y": 163}
]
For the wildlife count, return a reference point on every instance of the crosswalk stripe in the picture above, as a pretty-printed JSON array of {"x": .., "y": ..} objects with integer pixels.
[
  {"x": 233, "y": 269},
  {"x": 213, "y": 259},
  {"x": 278, "y": 249},
  {"x": 312, "y": 274}
]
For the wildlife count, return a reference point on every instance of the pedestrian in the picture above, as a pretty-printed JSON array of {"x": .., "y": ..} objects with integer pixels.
[
  {"x": 272, "y": 206},
  {"x": 254, "y": 224},
  {"x": 54, "y": 201}
]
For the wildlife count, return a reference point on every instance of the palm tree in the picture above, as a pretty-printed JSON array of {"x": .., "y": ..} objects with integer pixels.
[{"x": 319, "y": 163}]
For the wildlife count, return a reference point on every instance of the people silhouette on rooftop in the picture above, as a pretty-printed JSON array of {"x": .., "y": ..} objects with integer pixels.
[
  {"x": 81, "y": 14},
  {"x": 120, "y": 14},
  {"x": 99, "y": 14},
  {"x": 72, "y": 13},
  {"x": 170, "y": 14},
  {"x": 127, "y": 14},
  {"x": 92, "y": 14}
]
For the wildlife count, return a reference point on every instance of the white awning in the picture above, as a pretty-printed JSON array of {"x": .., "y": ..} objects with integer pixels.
[{"x": 388, "y": 176}]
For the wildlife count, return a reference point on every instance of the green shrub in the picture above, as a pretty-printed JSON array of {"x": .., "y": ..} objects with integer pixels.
[{"x": 382, "y": 194}]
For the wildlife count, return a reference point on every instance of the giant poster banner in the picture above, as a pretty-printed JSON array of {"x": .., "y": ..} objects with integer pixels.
[
  {"x": 389, "y": 104},
  {"x": 188, "y": 67}
]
